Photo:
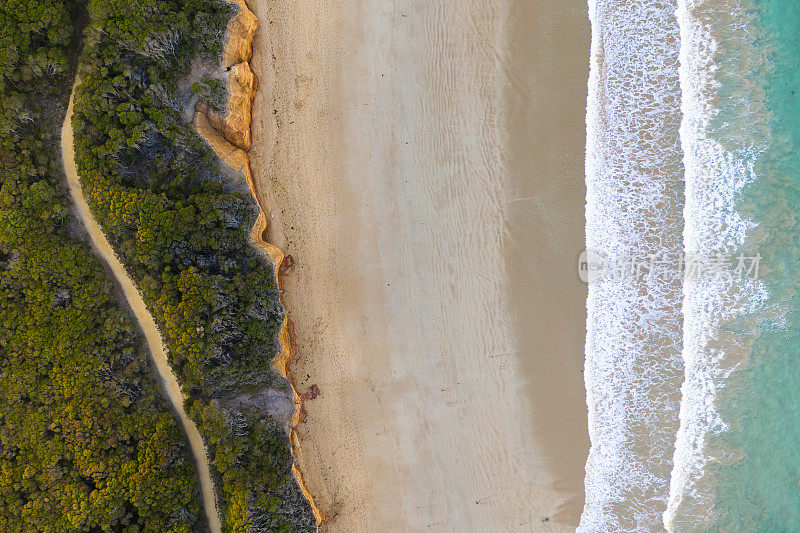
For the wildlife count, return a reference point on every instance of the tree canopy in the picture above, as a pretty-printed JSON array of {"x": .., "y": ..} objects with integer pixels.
[
  {"x": 182, "y": 230},
  {"x": 87, "y": 441}
]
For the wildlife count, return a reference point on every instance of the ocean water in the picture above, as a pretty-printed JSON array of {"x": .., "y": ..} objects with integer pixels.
[
  {"x": 734, "y": 458},
  {"x": 738, "y": 450}
]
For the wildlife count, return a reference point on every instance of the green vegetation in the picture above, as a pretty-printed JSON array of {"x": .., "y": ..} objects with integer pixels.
[
  {"x": 87, "y": 442},
  {"x": 214, "y": 91},
  {"x": 182, "y": 230}
]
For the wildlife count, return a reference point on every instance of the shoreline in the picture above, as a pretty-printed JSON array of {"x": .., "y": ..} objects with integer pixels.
[
  {"x": 238, "y": 52},
  {"x": 544, "y": 196},
  {"x": 386, "y": 168}
]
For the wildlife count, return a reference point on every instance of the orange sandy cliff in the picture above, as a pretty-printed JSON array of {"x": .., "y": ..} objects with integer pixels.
[{"x": 229, "y": 137}]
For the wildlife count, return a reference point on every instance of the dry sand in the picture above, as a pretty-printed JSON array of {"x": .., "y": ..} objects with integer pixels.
[{"x": 423, "y": 164}]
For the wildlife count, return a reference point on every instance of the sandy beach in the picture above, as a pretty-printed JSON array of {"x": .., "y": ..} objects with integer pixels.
[{"x": 422, "y": 162}]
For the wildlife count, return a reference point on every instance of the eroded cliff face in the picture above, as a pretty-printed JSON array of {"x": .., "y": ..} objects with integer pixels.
[
  {"x": 234, "y": 157},
  {"x": 233, "y": 127},
  {"x": 241, "y": 31},
  {"x": 229, "y": 137}
]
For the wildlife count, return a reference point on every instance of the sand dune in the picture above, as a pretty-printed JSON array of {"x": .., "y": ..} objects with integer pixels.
[{"x": 422, "y": 163}]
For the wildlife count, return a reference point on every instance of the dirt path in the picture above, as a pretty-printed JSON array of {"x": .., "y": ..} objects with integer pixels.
[{"x": 154, "y": 341}]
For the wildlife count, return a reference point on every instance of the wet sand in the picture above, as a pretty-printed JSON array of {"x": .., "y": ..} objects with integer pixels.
[{"x": 423, "y": 164}]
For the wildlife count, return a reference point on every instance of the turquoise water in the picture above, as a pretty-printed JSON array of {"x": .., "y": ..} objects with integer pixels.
[
  {"x": 761, "y": 404},
  {"x": 730, "y": 375}
]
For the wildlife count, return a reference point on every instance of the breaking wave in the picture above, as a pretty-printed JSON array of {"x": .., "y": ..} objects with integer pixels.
[{"x": 634, "y": 174}]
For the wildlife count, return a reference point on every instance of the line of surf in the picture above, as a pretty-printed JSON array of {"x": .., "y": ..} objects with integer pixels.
[
  {"x": 717, "y": 43},
  {"x": 633, "y": 366},
  {"x": 153, "y": 336}
]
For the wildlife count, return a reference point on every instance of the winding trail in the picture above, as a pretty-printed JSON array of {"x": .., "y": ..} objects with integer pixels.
[{"x": 155, "y": 343}]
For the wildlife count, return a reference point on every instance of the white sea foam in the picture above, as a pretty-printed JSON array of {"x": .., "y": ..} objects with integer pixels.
[
  {"x": 719, "y": 69},
  {"x": 634, "y": 174}
]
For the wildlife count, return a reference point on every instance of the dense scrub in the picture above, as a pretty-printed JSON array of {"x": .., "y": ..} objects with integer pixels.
[
  {"x": 87, "y": 442},
  {"x": 182, "y": 230}
]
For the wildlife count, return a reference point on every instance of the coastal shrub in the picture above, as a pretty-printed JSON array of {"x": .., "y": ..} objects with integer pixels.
[
  {"x": 182, "y": 230},
  {"x": 214, "y": 91},
  {"x": 87, "y": 441}
]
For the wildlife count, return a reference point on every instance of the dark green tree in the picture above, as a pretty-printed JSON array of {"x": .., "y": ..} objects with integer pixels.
[
  {"x": 182, "y": 230},
  {"x": 87, "y": 441}
]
